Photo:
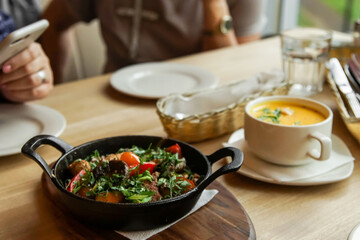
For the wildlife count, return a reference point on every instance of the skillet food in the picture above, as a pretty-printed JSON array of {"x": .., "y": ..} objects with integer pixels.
[
  {"x": 132, "y": 175},
  {"x": 130, "y": 216}
]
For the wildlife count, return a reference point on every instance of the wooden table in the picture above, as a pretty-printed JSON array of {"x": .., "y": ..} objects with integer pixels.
[{"x": 93, "y": 109}]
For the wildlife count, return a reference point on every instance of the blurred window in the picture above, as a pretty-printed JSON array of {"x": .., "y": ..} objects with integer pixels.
[{"x": 338, "y": 15}]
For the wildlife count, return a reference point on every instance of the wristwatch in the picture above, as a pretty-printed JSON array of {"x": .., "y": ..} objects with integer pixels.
[{"x": 224, "y": 26}]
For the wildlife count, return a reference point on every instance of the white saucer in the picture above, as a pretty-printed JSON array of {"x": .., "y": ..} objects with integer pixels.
[
  {"x": 20, "y": 122},
  {"x": 156, "y": 80},
  {"x": 334, "y": 175}
]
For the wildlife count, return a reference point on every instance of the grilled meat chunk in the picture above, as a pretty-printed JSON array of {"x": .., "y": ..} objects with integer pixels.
[{"x": 77, "y": 166}]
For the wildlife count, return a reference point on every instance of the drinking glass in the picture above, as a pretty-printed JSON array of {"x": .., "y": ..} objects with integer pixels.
[{"x": 304, "y": 54}]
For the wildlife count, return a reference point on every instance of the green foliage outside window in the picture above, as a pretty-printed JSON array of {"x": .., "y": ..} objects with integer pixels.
[{"x": 338, "y": 6}]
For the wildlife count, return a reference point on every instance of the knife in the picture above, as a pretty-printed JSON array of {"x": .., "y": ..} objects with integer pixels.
[{"x": 344, "y": 86}]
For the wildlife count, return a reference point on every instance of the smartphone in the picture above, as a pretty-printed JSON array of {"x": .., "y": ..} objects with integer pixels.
[{"x": 21, "y": 38}]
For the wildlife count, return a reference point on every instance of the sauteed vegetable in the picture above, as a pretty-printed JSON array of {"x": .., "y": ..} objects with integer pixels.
[{"x": 134, "y": 175}]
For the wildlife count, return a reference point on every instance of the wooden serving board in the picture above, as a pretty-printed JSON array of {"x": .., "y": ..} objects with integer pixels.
[{"x": 222, "y": 218}]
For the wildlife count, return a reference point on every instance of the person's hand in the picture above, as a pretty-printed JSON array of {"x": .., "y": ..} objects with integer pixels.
[{"x": 27, "y": 76}]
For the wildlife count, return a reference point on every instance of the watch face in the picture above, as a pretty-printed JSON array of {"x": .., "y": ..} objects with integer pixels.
[{"x": 226, "y": 24}]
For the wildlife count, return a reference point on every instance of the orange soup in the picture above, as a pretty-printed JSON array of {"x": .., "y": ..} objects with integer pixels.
[{"x": 286, "y": 113}]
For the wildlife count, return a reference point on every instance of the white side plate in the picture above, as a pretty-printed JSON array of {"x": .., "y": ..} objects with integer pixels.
[
  {"x": 156, "y": 80},
  {"x": 20, "y": 122},
  {"x": 355, "y": 233}
]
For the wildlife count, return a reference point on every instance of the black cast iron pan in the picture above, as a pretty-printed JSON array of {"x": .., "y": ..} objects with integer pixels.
[{"x": 129, "y": 216}]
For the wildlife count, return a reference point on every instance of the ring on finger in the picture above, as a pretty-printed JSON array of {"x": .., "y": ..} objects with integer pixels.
[{"x": 42, "y": 75}]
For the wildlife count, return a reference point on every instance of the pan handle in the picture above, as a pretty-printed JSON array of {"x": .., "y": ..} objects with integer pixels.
[
  {"x": 34, "y": 143},
  {"x": 237, "y": 158}
]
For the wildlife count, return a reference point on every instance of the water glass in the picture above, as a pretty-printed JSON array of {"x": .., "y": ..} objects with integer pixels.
[{"x": 304, "y": 54}]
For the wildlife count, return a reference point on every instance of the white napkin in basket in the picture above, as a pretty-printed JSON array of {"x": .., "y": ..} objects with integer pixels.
[
  {"x": 206, "y": 101},
  {"x": 205, "y": 197},
  {"x": 339, "y": 156}
]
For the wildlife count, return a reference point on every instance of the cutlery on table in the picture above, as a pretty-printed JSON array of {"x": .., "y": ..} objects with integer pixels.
[{"x": 344, "y": 86}]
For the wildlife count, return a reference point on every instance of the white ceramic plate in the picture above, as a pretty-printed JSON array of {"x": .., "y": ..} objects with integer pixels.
[
  {"x": 156, "y": 80},
  {"x": 334, "y": 175},
  {"x": 355, "y": 233},
  {"x": 20, "y": 122}
]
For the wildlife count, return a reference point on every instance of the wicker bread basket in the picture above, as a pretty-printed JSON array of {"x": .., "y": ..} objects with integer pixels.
[{"x": 197, "y": 116}]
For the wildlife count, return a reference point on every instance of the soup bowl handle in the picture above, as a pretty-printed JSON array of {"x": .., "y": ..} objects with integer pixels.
[
  {"x": 237, "y": 158},
  {"x": 325, "y": 144},
  {"x": 29, "y": 149}
]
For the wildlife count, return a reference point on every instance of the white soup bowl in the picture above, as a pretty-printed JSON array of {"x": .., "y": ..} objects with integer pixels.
[{"x": 289, "y": 145}]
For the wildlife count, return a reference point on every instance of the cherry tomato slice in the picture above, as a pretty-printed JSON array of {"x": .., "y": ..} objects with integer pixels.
[
  {"x": 147, "y": 166},
  {"x": 143, "y": 167},
  {"x": 75, "y": 179},
  {"x": 131, "y": 159},
  {"x": 174, "y": 149},
  {"x": 190, "y": 186}
]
